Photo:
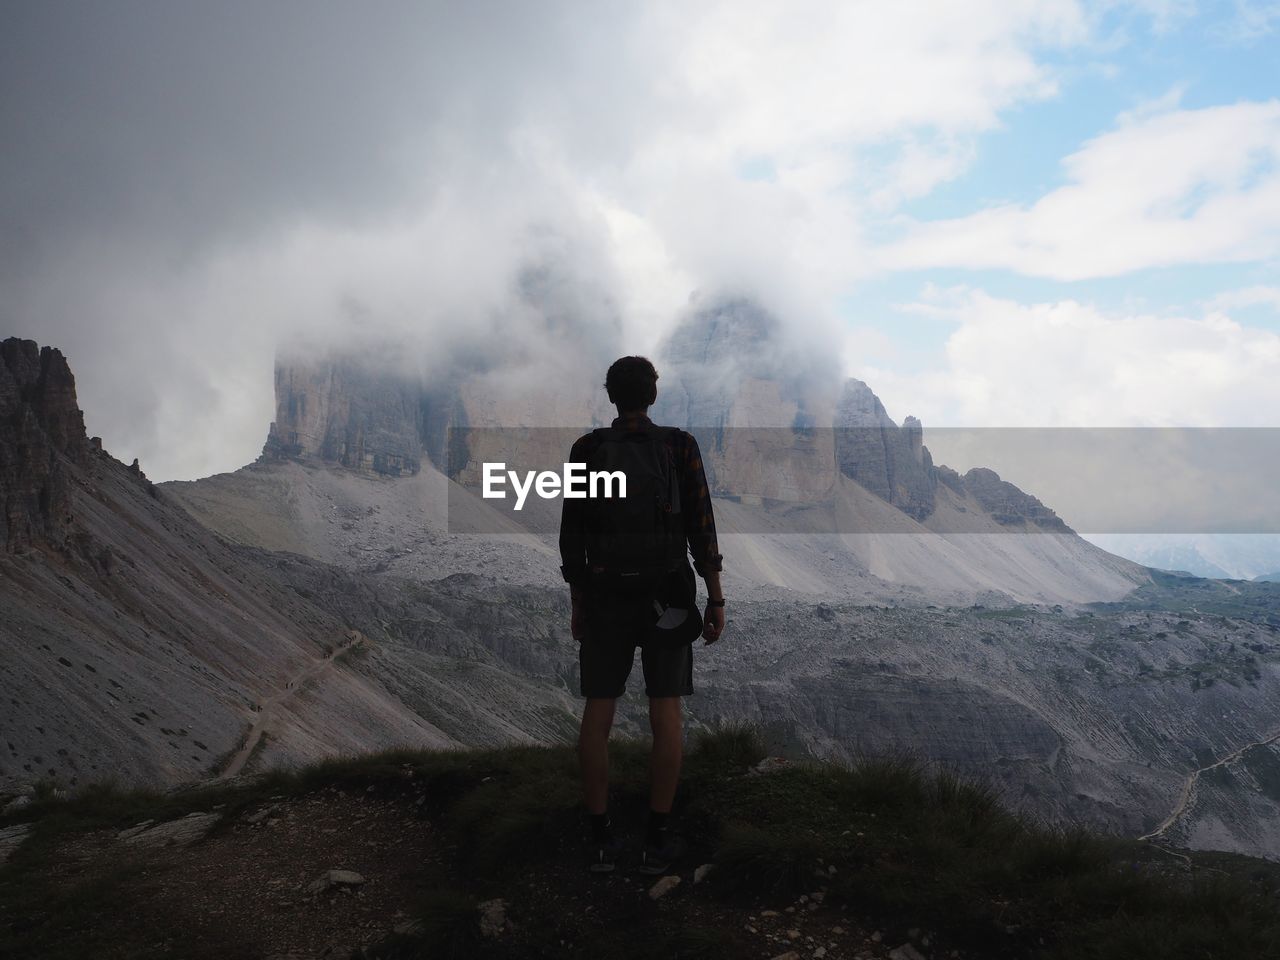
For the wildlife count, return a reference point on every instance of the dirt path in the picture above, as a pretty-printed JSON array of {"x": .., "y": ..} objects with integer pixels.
[
  {"x": 1188, "y": 788},
  {"x": 267, "y": 707}
]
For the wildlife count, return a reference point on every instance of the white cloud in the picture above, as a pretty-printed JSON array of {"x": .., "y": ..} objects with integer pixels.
[
  {"x": 1164, "y": 14},
  {"x": 1254, "y": 296},
  {"x": 1252, "y": 22},
  {"x": 1071, "y": 364},
  {"x": 1186, "y": 186},
  {"x": 167, "y": 225}
]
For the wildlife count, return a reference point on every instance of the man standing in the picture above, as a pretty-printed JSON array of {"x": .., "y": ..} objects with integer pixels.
[{"x": 626, "y": 562}]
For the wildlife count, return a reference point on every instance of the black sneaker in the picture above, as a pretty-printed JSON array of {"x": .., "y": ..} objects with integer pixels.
[
  {"x": 657, "y": 858},
  {"x": 604, "y": 856}
]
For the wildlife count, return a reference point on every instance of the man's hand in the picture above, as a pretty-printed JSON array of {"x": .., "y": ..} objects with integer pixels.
[
  {"x": 578, "y": 620},
  {"x": 712, "y": 624}
]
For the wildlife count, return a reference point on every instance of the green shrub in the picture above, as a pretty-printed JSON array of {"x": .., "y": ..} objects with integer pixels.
[
  {"x": 727, "y": 748},
  {"x": 779, "y": 861}
]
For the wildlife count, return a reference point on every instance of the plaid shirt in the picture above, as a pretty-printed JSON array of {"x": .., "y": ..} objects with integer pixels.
[{"x": 695, "y": 503}]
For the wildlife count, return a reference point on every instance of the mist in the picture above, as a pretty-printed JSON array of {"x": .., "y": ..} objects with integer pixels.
[{"x": 188, "y": 188}]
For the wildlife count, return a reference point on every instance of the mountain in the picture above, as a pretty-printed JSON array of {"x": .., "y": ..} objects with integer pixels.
[
  {"x": 336, "y": 597},
  {"x": 1235, "y": 556},
  {"x": 817, "y": 489},
  {"x": 138, "y": 644}
]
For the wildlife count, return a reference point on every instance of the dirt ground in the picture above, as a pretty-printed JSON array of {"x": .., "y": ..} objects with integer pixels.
[{"x": 244, "y": 892}]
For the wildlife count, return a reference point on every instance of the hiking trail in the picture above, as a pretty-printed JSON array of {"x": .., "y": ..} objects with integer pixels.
[
  {"x": 1188, "y": 787},
  {"x": 265, "y": 709}
]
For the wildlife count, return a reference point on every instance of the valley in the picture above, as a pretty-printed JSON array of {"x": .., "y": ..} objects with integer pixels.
[{"x": 301, "y": 607}]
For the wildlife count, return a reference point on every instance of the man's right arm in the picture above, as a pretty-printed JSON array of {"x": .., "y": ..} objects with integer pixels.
[
  {"x": 573, "y": 533},
  {"x": 573, "y": 549}
]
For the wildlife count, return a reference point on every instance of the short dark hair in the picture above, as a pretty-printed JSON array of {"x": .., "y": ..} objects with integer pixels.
[{"x": 632, "y": 383}]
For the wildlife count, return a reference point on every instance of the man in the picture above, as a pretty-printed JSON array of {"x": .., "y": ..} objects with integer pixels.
[{"x": 619, "y": 583}]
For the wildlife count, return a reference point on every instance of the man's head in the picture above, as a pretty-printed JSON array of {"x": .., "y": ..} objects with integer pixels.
[{"x": 632, "y": 384}]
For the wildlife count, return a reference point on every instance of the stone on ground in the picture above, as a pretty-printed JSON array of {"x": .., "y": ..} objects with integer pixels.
[
  {"x": 174, "y": 833},
  {"x": 11, "y": 838},
  {"x": 335, "y": 878},
  {"x": 493, "y": 917},
  {"x": 663, "y": 887}
]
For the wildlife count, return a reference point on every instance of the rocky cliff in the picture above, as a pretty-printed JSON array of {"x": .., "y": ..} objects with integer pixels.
[
  {"x": 1005, "y": 503},
  {"x": 773, "y": 420},
  {"x": 190, "y": 651},
  {"x": 41, "y": 436},
  {"x": 137, "y": 643},
  {"x": 757, "y": 406},
  {"x": 351, "y": 408},
  {"x": 890, "y": 461}
]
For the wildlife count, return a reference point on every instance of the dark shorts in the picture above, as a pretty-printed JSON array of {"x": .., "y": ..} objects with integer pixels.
[{"x": 615, "y": 626}]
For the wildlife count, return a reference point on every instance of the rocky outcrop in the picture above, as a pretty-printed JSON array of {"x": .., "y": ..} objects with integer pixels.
[
  {"x": 135, "y": 643},
  {"x": 890, "y": 461},
  {"x": 950, "y": 479},
  {"x": 11, "y": 838},
  {"x": 174, "y": 833},
  {"x": 41, "y": 431},
  {"x": 758, "y": 406},
  {"x": 773, "y": 423},
  {"x": 716, "y": 353},
  {"x": 1007, "y": 504},
  {"x": 348, "y": 408}
]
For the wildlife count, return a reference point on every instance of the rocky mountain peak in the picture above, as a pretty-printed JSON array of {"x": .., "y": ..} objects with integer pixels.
[
  {"x": 1008, "y": 504},
  {"x": 733, "y": 330},
  {"x": 890, "y": 461},
  {"x": 860, "y": 407},
  {"x": 350, "y": 407},
  {"x": 774, "y": 420},
  {"x": 38, "y": 382},
  {"x": 41, "y": 430}
]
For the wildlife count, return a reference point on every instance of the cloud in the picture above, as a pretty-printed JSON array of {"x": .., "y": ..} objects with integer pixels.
[
  {"x": 1253, "y": 21},
  {"x": 1259, "y": 295},
  {"x": 1186, "y": 186},
  {"x": 1164, "y": 15},
  {"x": 1072, "y": 364},
  {"x": 186, "y": 186}
]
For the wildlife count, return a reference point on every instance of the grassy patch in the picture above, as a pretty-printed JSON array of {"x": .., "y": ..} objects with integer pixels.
[
  {"x": 56, "y": 921},
  {"x": 726, "y": 749},
  {"x": 773, "y": 862},
  {"x": 898, "y": 843},
  {"x": 1171, "y": 593}
]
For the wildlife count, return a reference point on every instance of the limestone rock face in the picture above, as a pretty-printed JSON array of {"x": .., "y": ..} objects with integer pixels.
[
  {"x": 41, "y": 430},
  {"x": 890, "y": 461},
  {"x": 134, "y": 642},
  {"x": 951, "y": 479},
  {"x": 758, "y": 409},
  {"x": 348, "y": 408},
  {"x": 770, "y": 414},
  {"x": 1007, "y": 504}
]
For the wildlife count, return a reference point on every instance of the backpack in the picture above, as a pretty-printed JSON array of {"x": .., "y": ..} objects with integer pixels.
[{"x": 634, "y": 542}]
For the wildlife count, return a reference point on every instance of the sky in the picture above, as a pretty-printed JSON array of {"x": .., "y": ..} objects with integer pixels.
[{"x": 997, "y": 213}]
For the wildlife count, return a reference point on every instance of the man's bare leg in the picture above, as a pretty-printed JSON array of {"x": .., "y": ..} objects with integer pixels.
[
  {"x": 593, "y": 752},
  {"x": 668, "y": 752}
]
